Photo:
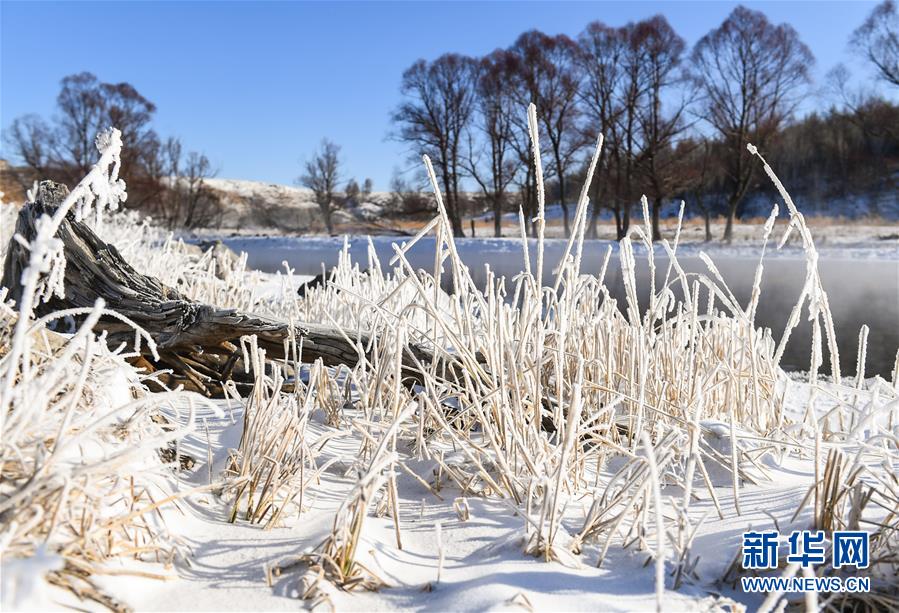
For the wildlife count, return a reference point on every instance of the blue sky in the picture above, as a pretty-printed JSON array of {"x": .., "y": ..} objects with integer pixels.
[{"x": 257, "y": 85}]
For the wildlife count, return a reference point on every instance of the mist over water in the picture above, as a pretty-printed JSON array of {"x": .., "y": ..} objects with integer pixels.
[{"x": 862, "y": 285}]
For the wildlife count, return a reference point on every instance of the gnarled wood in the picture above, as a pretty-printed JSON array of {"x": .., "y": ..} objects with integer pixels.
[{"x": 198, "y": 342}]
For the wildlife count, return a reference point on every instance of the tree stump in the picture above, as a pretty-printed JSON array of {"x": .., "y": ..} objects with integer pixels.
[{"x": 199, "y": 343}]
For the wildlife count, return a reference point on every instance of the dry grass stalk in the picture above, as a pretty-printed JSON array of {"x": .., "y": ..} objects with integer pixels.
[
  {"x": 570, "y": 381},
  {"x": 82, "y": 479},
  {"x": 563, "y": 392}
]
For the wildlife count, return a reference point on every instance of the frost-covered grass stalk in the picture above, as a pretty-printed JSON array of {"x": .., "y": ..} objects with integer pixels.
[
  {"x": 82, "y": 481},
  {"x": 566, "y": 393},
  {"x": 563, "y": 396}
]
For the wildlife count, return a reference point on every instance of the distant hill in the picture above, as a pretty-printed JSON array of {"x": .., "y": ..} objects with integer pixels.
[{"x": 256, "y": 205}]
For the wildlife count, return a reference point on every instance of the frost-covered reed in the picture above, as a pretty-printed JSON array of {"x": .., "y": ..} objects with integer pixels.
[
  {"x": 642, "y": 408},
  {"x": 82, "y": 476},
  {"x": 565, "y": 393}
]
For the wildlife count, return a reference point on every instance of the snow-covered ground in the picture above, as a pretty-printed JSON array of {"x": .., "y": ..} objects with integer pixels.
[{"x": 474, "y": 561}]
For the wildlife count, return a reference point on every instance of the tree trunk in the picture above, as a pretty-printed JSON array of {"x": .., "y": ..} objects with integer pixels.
[
  {"x": 625, "y": 221},
  {"x": 191, "y": 209},
  {"x": 565, "y": 223},
  {"x": 708, "y": 225},
  {"x": 656, "y": 212},
  {"x": 596, "y": 197},
  {"x": 200, "y": 343},
  {"x": 731, "y": 214},
  {"x": 562, "y": 197},
  {"x": 452, "y": 207},
  {"x": 457, "y": 204},
  {"x": 530, "y": 206},
  {"x": 329, "y": 225},
  {"x": 593, "y": 229}
]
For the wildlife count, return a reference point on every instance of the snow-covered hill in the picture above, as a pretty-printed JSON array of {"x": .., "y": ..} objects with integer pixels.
[{"x": 252, "y": 205}]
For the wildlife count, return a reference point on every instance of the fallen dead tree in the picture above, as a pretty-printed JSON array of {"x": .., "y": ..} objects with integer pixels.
[{"x": 197, "y": 345}]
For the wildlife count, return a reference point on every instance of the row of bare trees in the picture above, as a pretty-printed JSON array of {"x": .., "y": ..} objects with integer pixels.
[
  {"x": 676, "y": 124},
  {"x": 162, "y": 179},
  {"x": 676, "y": 121}
]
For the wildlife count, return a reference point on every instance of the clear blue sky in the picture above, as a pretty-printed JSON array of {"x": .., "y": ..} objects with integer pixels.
[{"x": 257, "y": 85}]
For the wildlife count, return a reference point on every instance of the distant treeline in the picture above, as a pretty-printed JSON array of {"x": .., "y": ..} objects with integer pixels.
[
  {"x": 63, "y": 150},
  {"x": 676, "y": 121}
]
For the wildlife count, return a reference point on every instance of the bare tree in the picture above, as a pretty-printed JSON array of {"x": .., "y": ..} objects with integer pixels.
[
  {"x": 525, "y": 180},
  {"x": 81, "y": 118},
  {"x": 159, "y": 179},
  {"x": 399, "y": 188},
  {"x": 31, "y": 139},
  {"x": 351, "y": 193},
  {"x": 183, "y": 198},
  {"x": 201, "y": 205},
  {"x": 663, "y": 51},
  {"x": 65, "y": 151},
  {"x": 407, "y": 196},
  {"x": 601, "y": 50},
  {"x": 877, "y": 39},
  {"x": 700, "y": 177},
  {"x": 321, "y": 175},
  {"x": 88, "y": 106},
  {"x": 751, "y": 74},
  {"x": 163, "y": 166},
  {"x": 439, "y": 103},
  {"x": 630, "y": 75},
  {"x": 548, "y": 76},
  {"x": 496, "y": 109},
  {"x": 632, "y": 92},
  {"x": 126, "y": 109}
]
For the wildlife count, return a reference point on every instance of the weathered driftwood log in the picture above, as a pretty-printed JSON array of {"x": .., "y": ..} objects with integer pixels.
[{"x": 198, "y": 342}]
